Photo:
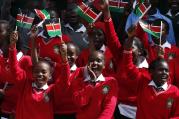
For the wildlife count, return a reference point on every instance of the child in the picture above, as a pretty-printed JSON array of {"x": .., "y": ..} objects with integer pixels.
[
  {"x": 97, "y": 42},
  {"x": 9, "y": 89},
  {"x": 156, "y": 98},
  {"x": 170, "y": 51},
  {"x": 64, "y": 105},
  {"x": 36, "y": 97},
  {"x": 94, "y": 94}
]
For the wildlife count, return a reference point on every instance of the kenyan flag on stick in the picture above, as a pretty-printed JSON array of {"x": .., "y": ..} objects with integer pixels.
[
  {"x": 87, "y": 13},
  {"x": 117, "y": 5},
  {"x": 42, "y": 14},
  {"x": 54, "y": 28},
  {"x": 153, "y": 30},
  {"x": 141, "y": 9},
  {"x": 24, "y": 21}
]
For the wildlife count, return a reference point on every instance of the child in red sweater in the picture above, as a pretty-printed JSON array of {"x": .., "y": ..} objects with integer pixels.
[
  {"x": 36, "y": 97},
  {"x": 64, "y": 105},
  {"x": 97, "y": 42},
  {"x": 169, "y": 51},
  {"x": 157, "y": 99},
  {"x": 94, "y": 94}
]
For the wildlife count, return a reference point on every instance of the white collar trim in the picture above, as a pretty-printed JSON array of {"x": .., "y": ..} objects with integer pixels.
[
  {"x": 164, "y": 86},
  {"x": 45, "y": 87}
]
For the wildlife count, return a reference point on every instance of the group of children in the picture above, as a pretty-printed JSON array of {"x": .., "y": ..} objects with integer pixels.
[{"x": 87, "y": 73}]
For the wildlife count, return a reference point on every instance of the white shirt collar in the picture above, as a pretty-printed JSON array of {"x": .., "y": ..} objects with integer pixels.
[
  {"x": 73, "y": 68},
  {"x": 42, "y": 34},
  {"x": 170, "y": 14},
  {"x": 88, "y": 78},
  {"x": 144, "y": 64},
  {"x": 81, "y": 29},
  {"x": 166, "y": 45},
  {"x": 19, "y": 55},
  {"x": 164, "y": 86},
  {"x": 103, "y": 48},
  {"x": 45, "y": 87}
]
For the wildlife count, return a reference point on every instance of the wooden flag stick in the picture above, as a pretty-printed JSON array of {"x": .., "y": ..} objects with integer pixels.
[
  {"x": 5, "y": 86},
  {"x": 160, "y": 40}
]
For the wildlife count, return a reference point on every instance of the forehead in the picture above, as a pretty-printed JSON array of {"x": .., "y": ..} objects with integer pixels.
[
  {"x": 97, "y": 55},
  {"x": 42, "y": 65},
  {"x": 162, "y": 64}
]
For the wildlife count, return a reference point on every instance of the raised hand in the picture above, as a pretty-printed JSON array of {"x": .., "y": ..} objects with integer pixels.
[
  {"x": 91, "y": 73},
  {"x": 63, "y": 51},
  {"x": 160, "y": 51},
  {"x": 131, "y": 31},
  {"x": 13, "y": 38},
  {"x": 33, "y": 32}
]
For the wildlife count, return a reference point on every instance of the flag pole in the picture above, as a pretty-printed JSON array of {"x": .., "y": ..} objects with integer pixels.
[
  {"x": 97, "y": 17},
  {"x": 160, "y": 40}
]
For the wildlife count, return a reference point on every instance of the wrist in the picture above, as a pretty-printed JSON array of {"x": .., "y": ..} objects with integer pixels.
[{"x": 12, "y": 46}]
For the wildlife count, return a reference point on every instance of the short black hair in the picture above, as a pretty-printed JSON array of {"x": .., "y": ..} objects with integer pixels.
[
  {"x": 74, "y": 45},
  {"x": 155, "y": 62}
]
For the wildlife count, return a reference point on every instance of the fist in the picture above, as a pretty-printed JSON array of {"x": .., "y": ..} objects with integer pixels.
[{"x": 13, "y": 37}]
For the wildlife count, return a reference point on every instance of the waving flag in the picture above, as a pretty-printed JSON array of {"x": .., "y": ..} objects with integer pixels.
[
  {"x": 87, "y": 13},
  {"x": 153, "y": 30},
  {"x": 42, "y": 14},
  {"x": 53, "y": 28},
  {"x": 24, "y": 20},
  {"x": 117, "y": 5}
]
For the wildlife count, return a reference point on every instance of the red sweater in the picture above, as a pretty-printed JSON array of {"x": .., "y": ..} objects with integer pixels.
[
  {"x": 32, "y": 104},
  {"x": 11, "y": 93},
  {"x": 173, "y": 51},
  {"x": 109, "y": 69},
  {"x": 46, "y": 49},
  {"x": 153, "y": 105},
  {"x": 95, "y": 102}
]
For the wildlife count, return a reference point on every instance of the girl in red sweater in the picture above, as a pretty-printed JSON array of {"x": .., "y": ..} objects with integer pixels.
[
  {"x": 94, "y": 94},
  {"x": 36, "y": 97}
]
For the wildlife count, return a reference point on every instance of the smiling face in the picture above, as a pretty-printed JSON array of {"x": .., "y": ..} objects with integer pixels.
[
  {"x": 96, "y": 62},
  {"x": 71, "y": 54},
  {"x": 41, "y": 73},
  {"x": 160, "y": 72}
]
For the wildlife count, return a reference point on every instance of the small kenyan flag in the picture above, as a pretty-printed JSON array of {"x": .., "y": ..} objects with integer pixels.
[
  {"x": 141, "y": 9},
  {"x": 53, "y": 28},
  {"x": 87, "y": 13},
  {"x": 117, "y": 5},
  {"x": 24, "y": 20},
  {"x": 153, "y": 30},
  {"x": 42, "y": 14}
]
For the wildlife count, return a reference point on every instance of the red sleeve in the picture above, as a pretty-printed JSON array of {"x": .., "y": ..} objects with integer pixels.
[
  {"x": 16, "y": 71},
  {"x": 112, "y": 40},
  {"x": 81, "y": 91},
  {"x": 110, "y": 102},
  {"x": 143, "y": 36},
  {"x": 175, "y": 112}
]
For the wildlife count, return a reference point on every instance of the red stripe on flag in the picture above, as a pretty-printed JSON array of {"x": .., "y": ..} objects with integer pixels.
[
  {"x": 83, "y": 7},
  {"x": 91, "y": 14},
  {"x": 51, "y": 27},
  {"x": 123, "y": 4},
  {"x": 113, "y": 3},
  {"x": 142, "y": 7},
  {"x": 19, "y": 17},
  {"x": 155, "y": 28},
  {"x": 40, "y": 14},
  {"x": 28, "y": 19}
]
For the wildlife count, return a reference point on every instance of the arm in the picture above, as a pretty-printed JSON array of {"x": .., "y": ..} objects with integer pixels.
[
  {"x": 110, "y": 102},
  {"x": 112, "y": 38},
  {"x": 16, "y": 71}
]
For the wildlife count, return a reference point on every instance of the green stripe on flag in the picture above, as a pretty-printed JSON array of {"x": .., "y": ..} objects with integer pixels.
[
  {"x": 53, "y": 33},
  {"x": 85, "y": 16},
  {"x": 23, "y": 25},
  {"x": 116, "y": 9}
]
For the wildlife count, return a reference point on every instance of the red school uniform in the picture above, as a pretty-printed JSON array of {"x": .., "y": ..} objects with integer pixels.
[
  {"x": 63, "y": 103},
  {"x": 33, "y": 104},
  {"x": 170, "y": 52},
  {"x": 94, "y": 101},
  {"x": 153, "y": 104},
  {"x": 109, "y": 69},
  {"x": 47, "y": 48},
  {"x": 11, "y": 93}
]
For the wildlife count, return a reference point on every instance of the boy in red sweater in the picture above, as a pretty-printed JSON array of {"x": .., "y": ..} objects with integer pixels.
[
  {"x": 170, "y": 51},
  {"x": 94, "y": 94},
  {"x": 157, "y": 99},
  {"x": 36, "y": 97}
]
